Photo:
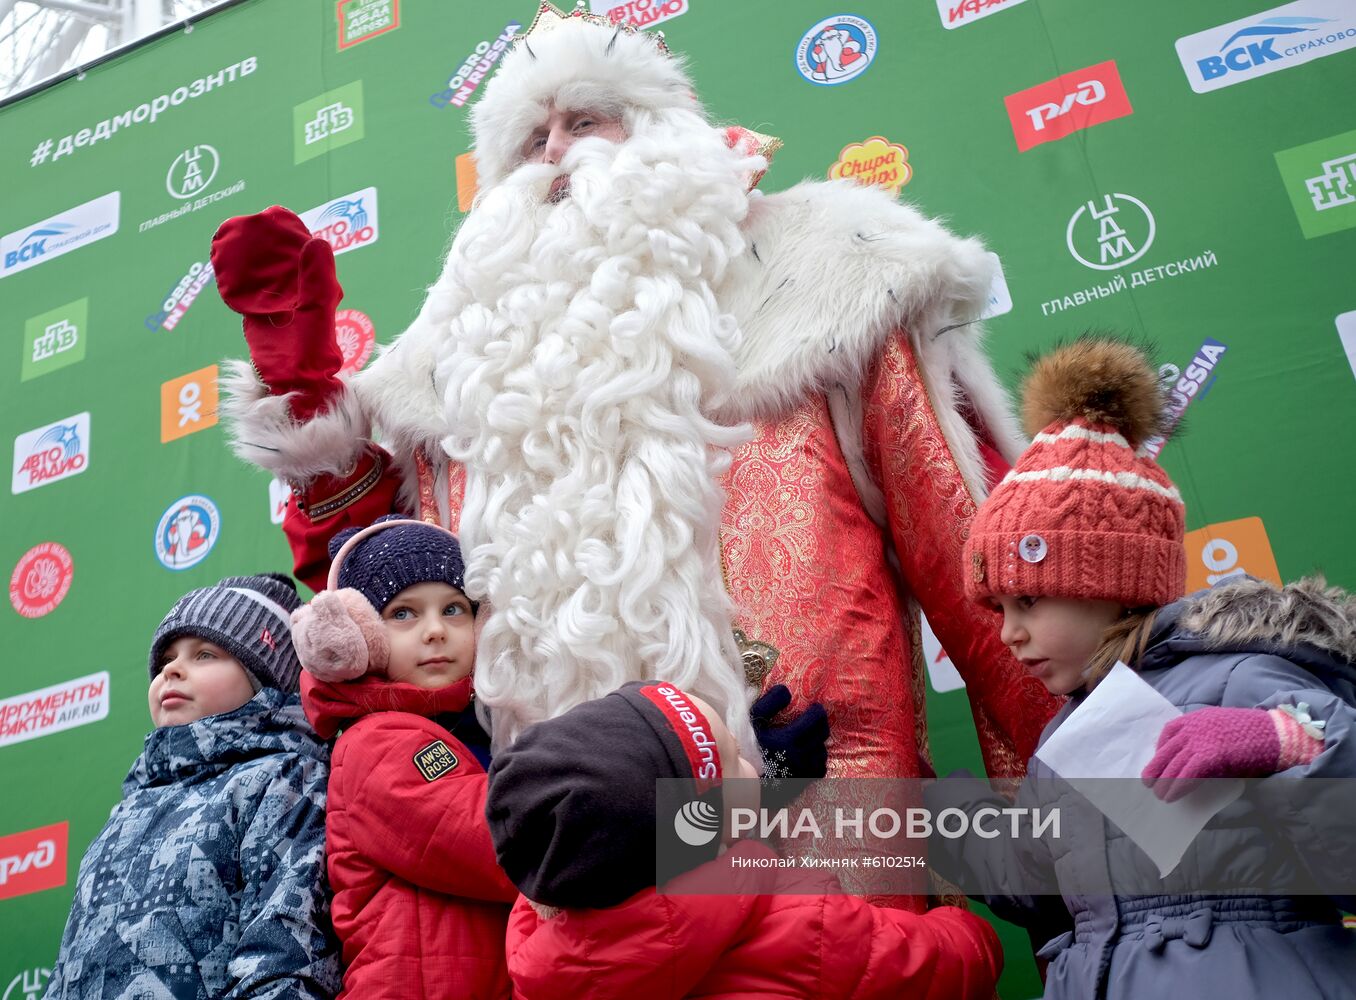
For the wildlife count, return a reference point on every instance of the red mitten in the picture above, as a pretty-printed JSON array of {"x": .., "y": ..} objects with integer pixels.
[
  {"x": 1226, "y": 743},
  {"x": 282, "y": 280}
]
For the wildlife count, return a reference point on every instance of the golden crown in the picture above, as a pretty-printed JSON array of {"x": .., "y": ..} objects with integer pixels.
[{"x": 549, "y": 17}]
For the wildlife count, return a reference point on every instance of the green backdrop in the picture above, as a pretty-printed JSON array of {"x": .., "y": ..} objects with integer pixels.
[{"x": 1139, "y": 167}]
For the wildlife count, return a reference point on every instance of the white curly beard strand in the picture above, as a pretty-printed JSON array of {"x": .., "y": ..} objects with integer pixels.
[{"x": 578, "y": 381}]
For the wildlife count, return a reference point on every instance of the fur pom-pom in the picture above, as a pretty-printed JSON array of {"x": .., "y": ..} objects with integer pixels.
[
  {"x": 339, "y": 636},
  {"x": 1101, "y": 380}
]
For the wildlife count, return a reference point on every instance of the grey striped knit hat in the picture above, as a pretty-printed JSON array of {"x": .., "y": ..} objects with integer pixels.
[{"x": 249, "y": 617}]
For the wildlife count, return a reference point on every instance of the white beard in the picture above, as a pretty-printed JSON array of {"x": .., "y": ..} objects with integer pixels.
[{"x": 587, "y": 350}]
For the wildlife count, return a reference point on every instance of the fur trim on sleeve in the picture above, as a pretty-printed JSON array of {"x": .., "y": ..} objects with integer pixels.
[{"x": 263, "y": 432}]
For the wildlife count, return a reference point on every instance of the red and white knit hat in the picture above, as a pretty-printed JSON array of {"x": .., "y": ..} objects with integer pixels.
[{"x": 1084, "y": 513}]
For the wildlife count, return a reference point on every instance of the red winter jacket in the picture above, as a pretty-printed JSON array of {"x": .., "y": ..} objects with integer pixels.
[
  {"x": 420, "y": 904},
  {"x": 740, "y": 947}
]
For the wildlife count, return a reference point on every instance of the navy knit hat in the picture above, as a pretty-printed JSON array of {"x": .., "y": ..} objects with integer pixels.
[
  {"x": 572, "y": 805},
  {"x": 250, "y": 617},
  {"x": 383, "y": 565}
]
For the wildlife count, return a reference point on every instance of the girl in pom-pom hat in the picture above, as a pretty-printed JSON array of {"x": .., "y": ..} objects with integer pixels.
[
  {"x": 1081, "y": 549},
  {"x": 420, "y": 903}
]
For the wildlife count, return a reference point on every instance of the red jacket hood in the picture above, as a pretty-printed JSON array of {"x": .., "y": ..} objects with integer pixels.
[{"x": 329, "y": 706}]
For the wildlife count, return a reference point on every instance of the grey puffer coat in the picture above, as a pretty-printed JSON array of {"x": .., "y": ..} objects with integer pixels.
[
  {"x": 209, "y": 878},
  {"x": 1244, "y": 643}
]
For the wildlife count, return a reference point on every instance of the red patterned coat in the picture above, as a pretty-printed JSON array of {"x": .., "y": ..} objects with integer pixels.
[{"x": 878, "y": 426}]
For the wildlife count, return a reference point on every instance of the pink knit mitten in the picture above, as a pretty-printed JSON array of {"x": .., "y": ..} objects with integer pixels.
[
  {"x": 339, "y": 636},
  {"x": 1228, "y": 743}
]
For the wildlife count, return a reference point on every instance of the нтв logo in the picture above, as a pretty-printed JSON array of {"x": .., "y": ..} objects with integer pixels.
[
  {"x": 1072, "y": 101},
  {"x": 47, "y": 454},
  {"x": 41, "y": 579},
  {"x": 1320, "y": 180},
  {"x": 836, "y": 50},
  {"x": 696, "y": 823},
  {"x": 347, "y": 222},
  {"x": 186, "y": 532},
  {"x": 191, "y": 171},
  {"x": 54, "y": 339},
  {"x": 329, "y": 121},
  {"x": 1119, "y": 226}
]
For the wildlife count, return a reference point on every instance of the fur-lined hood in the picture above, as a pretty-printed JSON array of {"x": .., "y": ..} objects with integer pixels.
[{"x": 1307, "y": 622}]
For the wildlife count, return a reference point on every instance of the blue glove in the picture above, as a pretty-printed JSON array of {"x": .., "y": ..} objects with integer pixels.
[{"x": 793, "y": 750}]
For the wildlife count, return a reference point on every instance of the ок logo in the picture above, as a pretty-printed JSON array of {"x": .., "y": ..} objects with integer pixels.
[
  {"x": 346, "y": 223},
  {"x": 50, "y": 453},
  {"x": 1320, "y": 178},
  {"x": 696, "y": 823},
  {"x": 356, "y": 336},
  {"x": 41, "y": 579},
  {"x": 188, "y": 403},
  {"x": 1119, "y": 226},
  {"x": 836, "y": 50},
  {"x": 33, "y": 860},
  {"x": 54, "y": 339},
  {"x": 186, "y": 532},
  {"x": 27, "y": 985},
  {"x": 329, "y": 121},
  {"x": 1243, "y": 49},
  {"x": 1069, "y": 102},
  {"x": 191, "y": 171},
  {"x": 60, "y": 234}
]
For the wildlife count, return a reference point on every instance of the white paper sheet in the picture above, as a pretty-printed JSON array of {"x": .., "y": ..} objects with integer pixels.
[{"x": 1113, "y": 734}]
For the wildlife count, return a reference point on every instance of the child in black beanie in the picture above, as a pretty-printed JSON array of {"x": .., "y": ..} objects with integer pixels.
[{"x": 572, "y": 810}]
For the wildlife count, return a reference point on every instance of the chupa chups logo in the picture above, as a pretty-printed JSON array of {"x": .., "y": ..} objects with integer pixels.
[
  {"x": 51, "y": 453},
  {"x": 41, "y": 579},
  {"x": 836, "y": 50},
  {"x": 1320, "y": 179},
  {"x": 55, "y": 339},
  {"x": 1267, "y": 42},
  {"x": 1110, "y": 231},
  {"x": 1069, "y": 102},
  {"x": 53, "y": 709},
  {"x": 50, "y": 238},
  {"x": 33, "y": 860},
  {"x": 958, "y": 13},
  {"x": 877, "y": 162},
  {"x": 356, "y": 336},
  {"x": 640, "y": 13},
  {"x": 474, "y": 69},
  {"x": 362, "y": 20},
  {"x": 187, "y": 531},
  {"x": 27, "y": 985},
  {"x": 192, "y": 170},
  {"x": 346, "y": 223}
]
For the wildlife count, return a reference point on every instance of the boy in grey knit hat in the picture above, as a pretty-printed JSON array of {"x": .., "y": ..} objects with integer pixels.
[{"x": 209, "y": 878}]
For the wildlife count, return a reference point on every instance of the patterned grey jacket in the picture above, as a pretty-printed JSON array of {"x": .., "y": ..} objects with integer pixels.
[{"x": 209, "y": 878}]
